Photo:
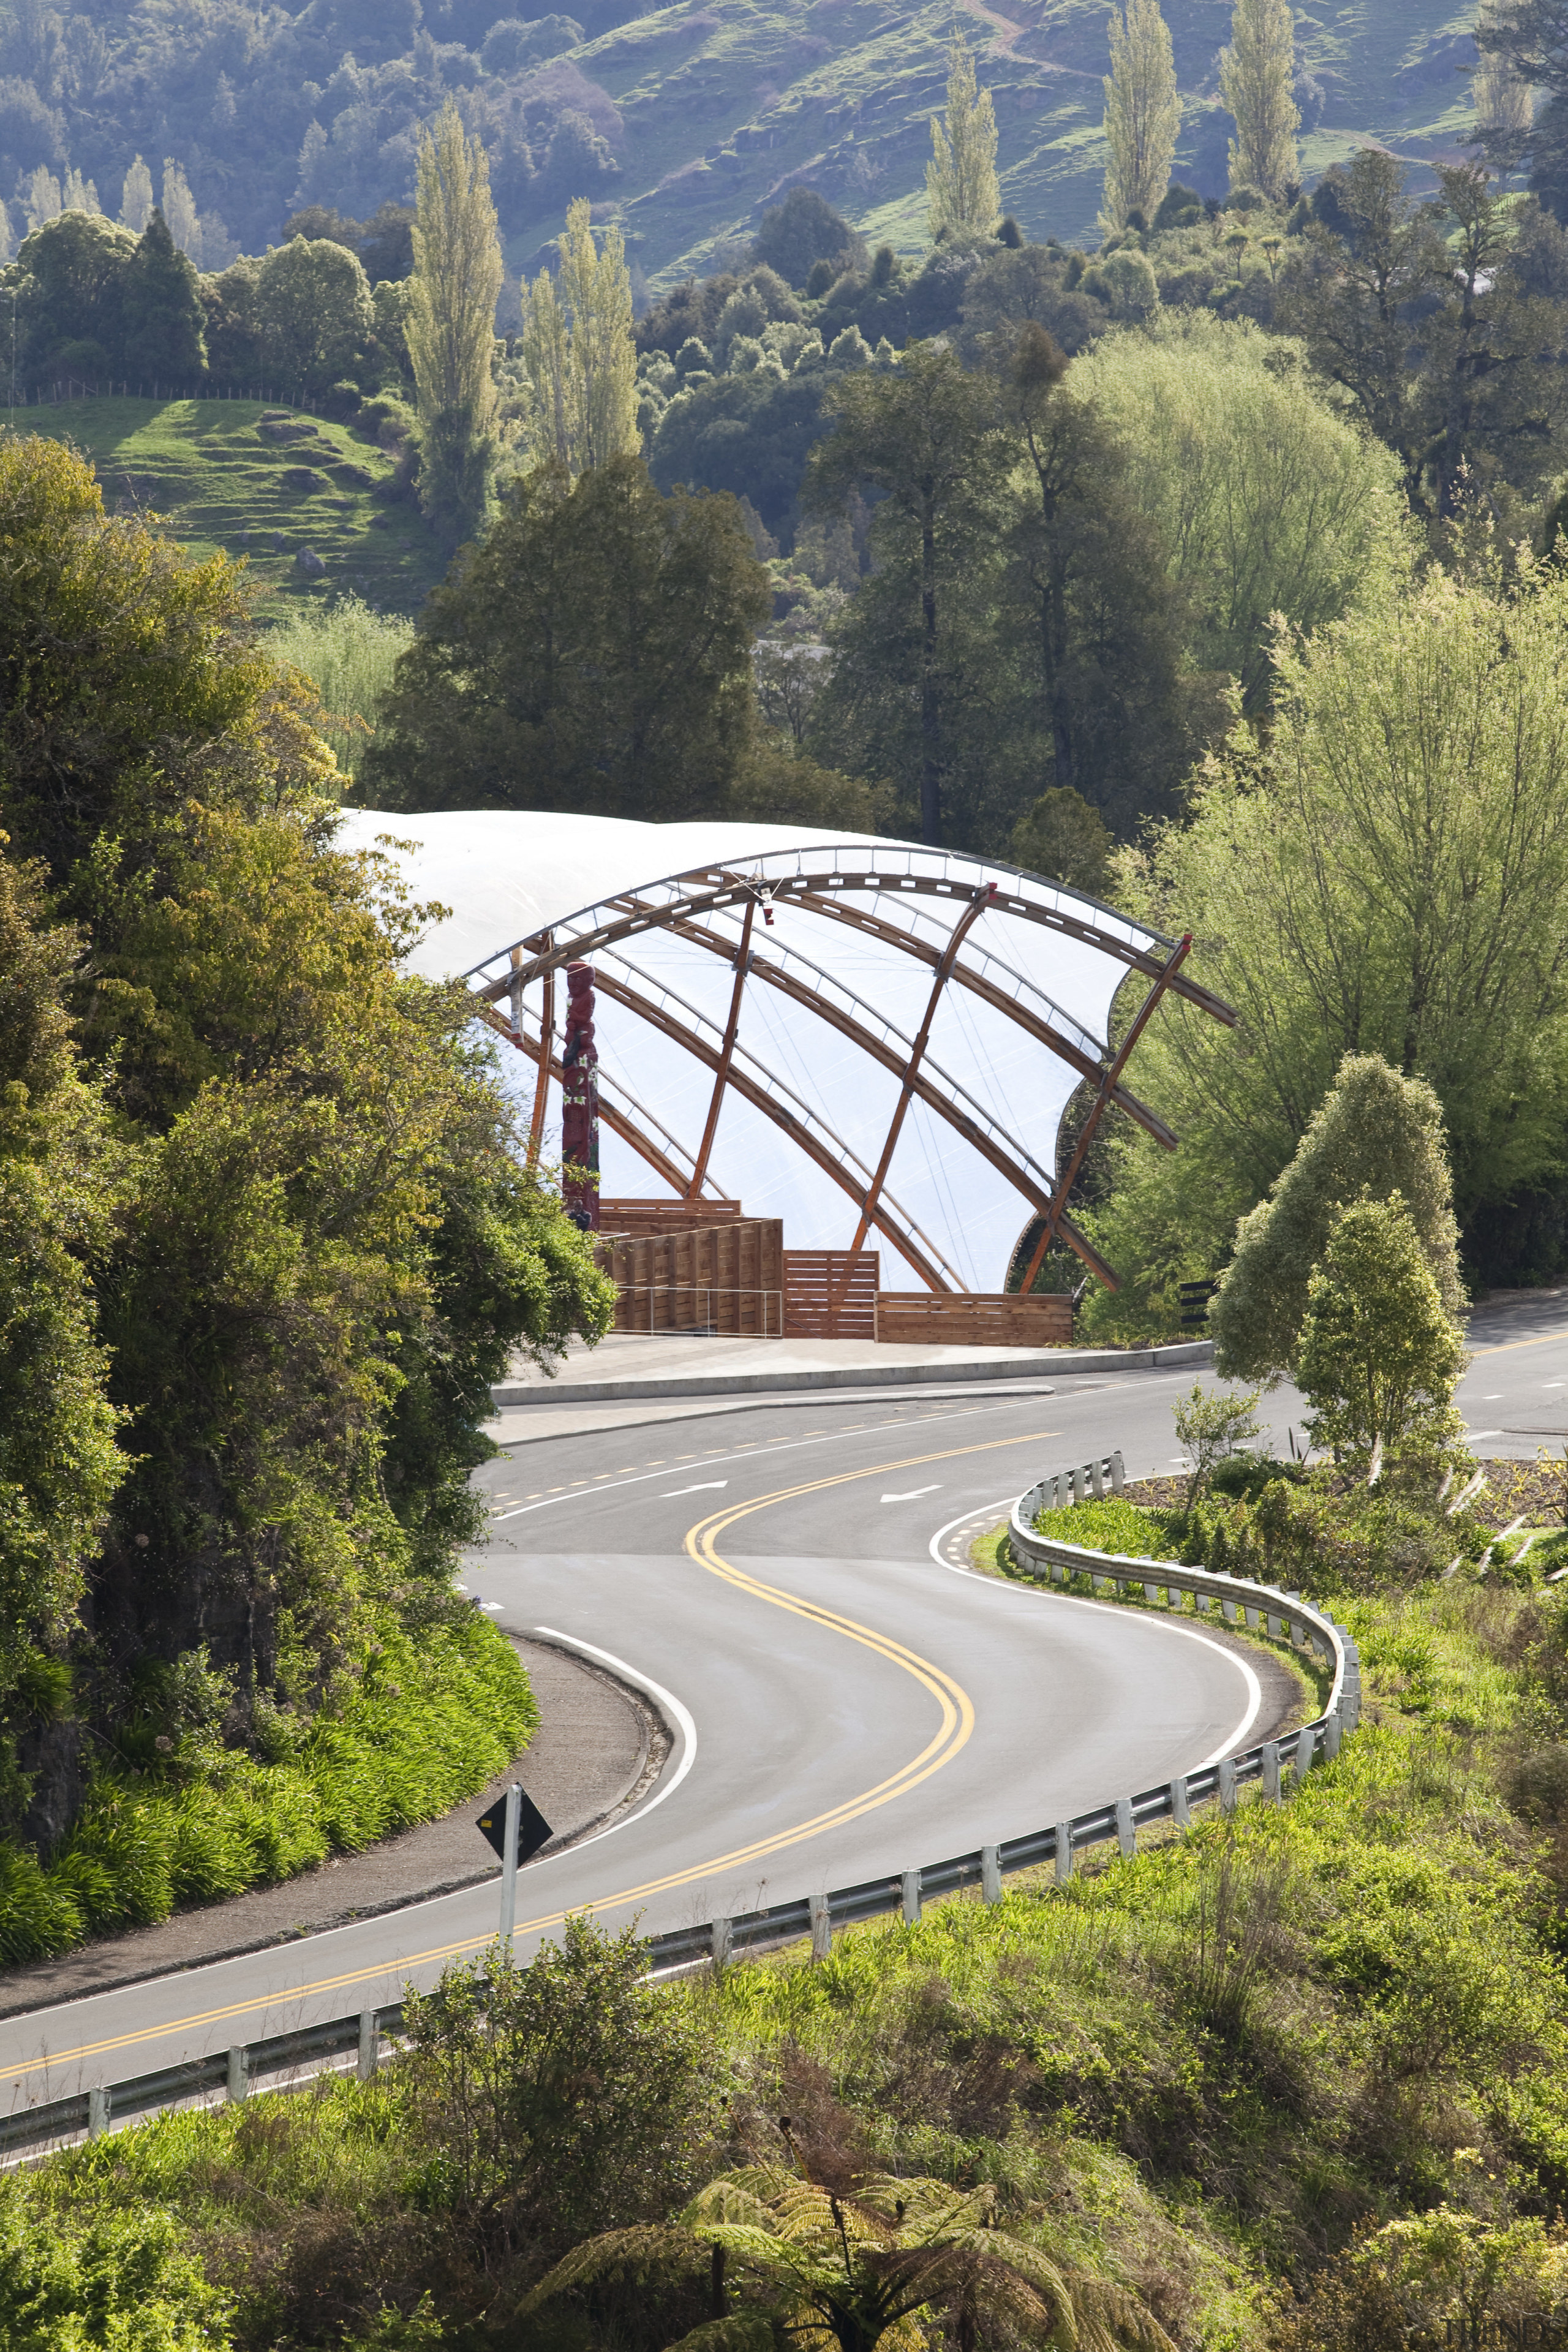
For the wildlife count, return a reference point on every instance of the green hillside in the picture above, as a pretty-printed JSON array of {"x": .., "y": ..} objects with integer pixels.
[
  {"x": 722, "y": 106},
  {"x": 207, "y": 469}
]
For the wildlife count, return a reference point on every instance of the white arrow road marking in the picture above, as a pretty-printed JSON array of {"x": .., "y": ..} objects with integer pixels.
[
  {"x": 495, "y": 1606},
  {"x": 913, "y": 1493},
  {"x": 704, "y": 1488}
]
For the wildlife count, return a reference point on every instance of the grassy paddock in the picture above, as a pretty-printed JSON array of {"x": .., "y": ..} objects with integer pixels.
[{"x": 202, "y": 467}]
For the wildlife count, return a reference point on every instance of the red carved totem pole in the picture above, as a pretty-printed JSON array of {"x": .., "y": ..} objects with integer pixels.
[{"x": 580, "y": 1109}]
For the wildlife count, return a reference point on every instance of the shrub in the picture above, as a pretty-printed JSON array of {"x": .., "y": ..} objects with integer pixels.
[{"x": 1379, "y": 1355}]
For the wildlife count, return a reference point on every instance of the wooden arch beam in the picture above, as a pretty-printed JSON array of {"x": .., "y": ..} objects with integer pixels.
[{"x": 716, "y": 890}]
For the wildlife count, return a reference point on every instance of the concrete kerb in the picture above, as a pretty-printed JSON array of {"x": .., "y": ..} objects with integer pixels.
[{"x": 567, "y": 1390}]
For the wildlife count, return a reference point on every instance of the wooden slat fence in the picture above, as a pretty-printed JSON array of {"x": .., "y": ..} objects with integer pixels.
[
  {"x": 727, "y": 1279},
  {"x": 818, "y": 1303},
  {"x": 973, "y": 1318},
  {"x": 665, "y": 1216}
]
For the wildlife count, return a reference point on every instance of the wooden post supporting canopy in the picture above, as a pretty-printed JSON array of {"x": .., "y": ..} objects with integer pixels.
[
  {"x": 547, "y": 1040},
  {"x": 727, "y": 1052}
]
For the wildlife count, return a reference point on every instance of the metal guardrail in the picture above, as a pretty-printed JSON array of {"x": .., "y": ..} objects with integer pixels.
[{"x": 1274, "y": 1764}]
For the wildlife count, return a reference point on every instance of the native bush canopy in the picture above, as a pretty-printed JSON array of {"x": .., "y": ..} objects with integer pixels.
[{"x": 268, "y": 1238}]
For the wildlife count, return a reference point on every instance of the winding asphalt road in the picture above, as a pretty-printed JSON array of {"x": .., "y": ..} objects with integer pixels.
[{"x": 786, "y": 1582}]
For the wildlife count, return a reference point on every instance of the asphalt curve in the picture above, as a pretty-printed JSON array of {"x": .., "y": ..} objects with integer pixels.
[{"x": 845, "y": 1704}]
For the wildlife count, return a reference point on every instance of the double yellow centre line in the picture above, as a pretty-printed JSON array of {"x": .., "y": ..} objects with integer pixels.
[{"x": 956, "y": 1723}]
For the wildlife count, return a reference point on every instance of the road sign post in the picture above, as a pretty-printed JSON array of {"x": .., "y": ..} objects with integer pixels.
[
  {"x": 509, "y": 1863},
  {"x": 517, "y": 1831}
]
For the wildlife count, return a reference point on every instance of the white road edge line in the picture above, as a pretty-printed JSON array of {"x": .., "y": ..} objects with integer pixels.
[
  {"x": 1109, "y": 1608},
  {"x": 682, "y": 1717}
]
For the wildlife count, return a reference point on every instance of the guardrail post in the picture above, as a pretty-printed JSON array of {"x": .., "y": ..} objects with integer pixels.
[
  {"x": 912, "y": 1897},
  {"x": 1126, "y": 1835},
  {"x": 1096, "y": 1478},
  {"x": 368, "y": 2045},
  {"x": 1254, "y": 1619},
  {"x": 1305, "y": 1748},
  {"x": 98, "y": 2111},
  {"x": 1181, "y": 1810},
  {"x": 1227, "y": 1784},
  {"x": 1151, "y": 1594},
  {"x": 1271, "y": 1770},
  {"x": 238, "y": 2072},
  {"x": 1227, "y": 1608},
  {"x": 1064, "y": 1852},
  {"x": 1118, "y": 1475},
  {"x": 1331, "y": 1737},
  {"x": 821, "y": 1928},
  {"x": 720, "y": 1943},
  {"x": 990, "y": 1874}
]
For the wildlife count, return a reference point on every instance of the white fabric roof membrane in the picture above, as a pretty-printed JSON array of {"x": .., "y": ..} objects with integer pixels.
[{"x": 508, "y": 875}]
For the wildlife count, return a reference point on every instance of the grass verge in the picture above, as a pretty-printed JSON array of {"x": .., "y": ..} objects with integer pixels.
[{"x": 435, "y": 1718}]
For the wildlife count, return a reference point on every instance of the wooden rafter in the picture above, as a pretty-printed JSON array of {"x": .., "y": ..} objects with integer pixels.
[
  {"x": 542, "y": 953},
  {"x": 726, "y": 1054},
  {"x": 614, "y": 1118}
]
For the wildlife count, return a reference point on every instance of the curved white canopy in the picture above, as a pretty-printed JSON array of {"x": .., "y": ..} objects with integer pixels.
[{"x": 837, "y": 989}]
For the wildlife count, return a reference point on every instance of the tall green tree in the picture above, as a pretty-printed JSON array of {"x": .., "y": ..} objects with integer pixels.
[
  {"x": 1523, "y": 46},
  {"x": 1098, "y": 629},
  {"x": 578, "y": 355},
  {"x": 924, "y": 435},
  {"x": 323, "y": 1244},
  {"x": 1388, "y": 875},
  {"x": 60, "y": 1459},
  {"x": 164, "y": 333},
  {"x": 594, "y": 653},
  {"x": 1256, "y": 76},
  {"x": 962, "y": 195},
  {"x": 450, "y": 326},
  {"x": 1423, "y": 310},
  {"x": 1143, "y": 115},
  {"x": 311, "y": 312},
  {"x": 1373, "y": 258},
  {"x": 1380, "y": 1355},
  {"x": 1375, "y": 1134},
  {"x": 1265, "y": 498}
]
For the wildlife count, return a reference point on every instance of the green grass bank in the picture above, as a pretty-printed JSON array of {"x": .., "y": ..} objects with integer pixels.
[
  {"x": 433, "y": 1715},
  {"x": 220, "y": 483},
  {"x": 1296, "y": 2080}
]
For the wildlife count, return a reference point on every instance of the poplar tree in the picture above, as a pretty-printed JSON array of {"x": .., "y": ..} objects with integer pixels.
[
  {"x": 962, "y": 190},
  {"x": 451, "y": 326},
  {"x": 1255, "y": 75},
  {"x": 578, "y": 355},
  {"x": 1143, "y": 115},
  {"x": 136, "y": 198},
  {"x": 180, "y": 211}
]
